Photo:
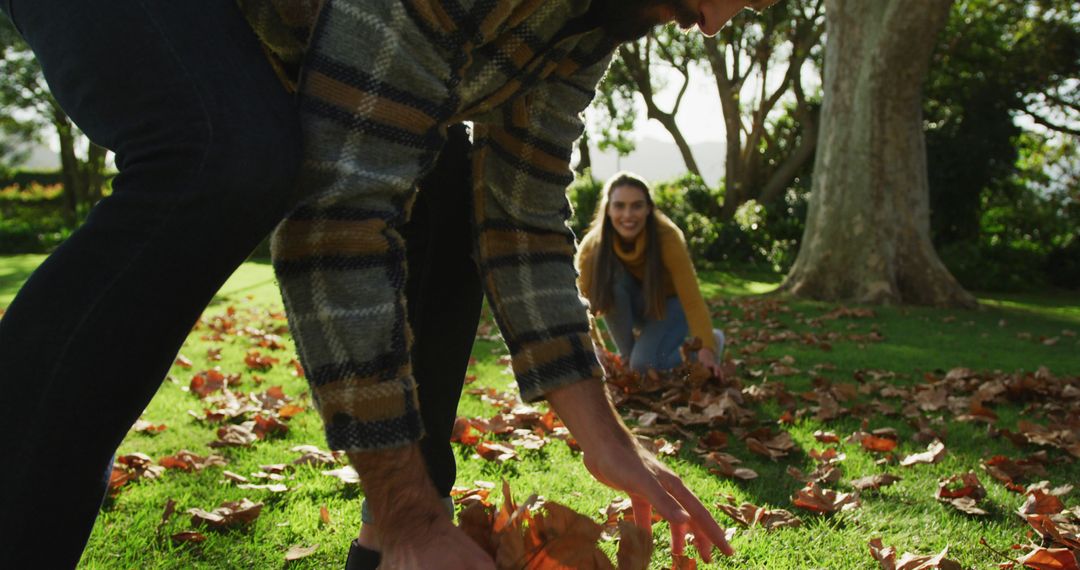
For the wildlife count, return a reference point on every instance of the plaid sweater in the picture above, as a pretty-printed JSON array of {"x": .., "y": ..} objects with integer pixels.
[{"x": 379, "y": 82}]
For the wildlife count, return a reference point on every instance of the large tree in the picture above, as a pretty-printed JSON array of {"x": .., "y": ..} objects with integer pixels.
[
  {"x": 867, "y": 236},
  {"x": 28, "y": 112},
  {"x": 758, "y": 64}
]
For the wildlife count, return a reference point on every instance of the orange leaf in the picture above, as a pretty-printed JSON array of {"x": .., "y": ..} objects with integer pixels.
[
  {"x": 878, "y": 444},
  {"x": 1050, "y": 559}
]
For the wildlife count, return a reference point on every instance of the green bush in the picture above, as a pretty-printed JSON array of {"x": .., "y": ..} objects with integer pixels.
[{"x": 583, "y": 193}]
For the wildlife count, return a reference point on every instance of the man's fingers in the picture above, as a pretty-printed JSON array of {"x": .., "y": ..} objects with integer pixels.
[
  {"x": 664, "y": 503},
  {"x": 678, "y": 539},
  {"x": 707, "y": 531},
  {"x": 642, "y": 512}
]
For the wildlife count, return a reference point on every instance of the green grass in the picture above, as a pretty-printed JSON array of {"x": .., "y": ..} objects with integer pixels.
[{"x": 1005, "y": 333}]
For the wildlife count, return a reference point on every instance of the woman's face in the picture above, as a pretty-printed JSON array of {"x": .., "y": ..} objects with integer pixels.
[{"x": 628, "y": 208}]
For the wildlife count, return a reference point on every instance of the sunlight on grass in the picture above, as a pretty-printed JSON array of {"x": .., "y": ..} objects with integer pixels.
[{"x": 1010, "y": 332}]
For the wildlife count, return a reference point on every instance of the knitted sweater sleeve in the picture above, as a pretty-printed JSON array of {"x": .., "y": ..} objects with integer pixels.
[{"x": 526, "y": 250}]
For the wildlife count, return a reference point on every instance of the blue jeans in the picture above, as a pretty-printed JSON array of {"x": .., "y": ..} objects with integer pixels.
[
  {"x": 207, "y": 147},
  {"x": 658, "y": 344}
]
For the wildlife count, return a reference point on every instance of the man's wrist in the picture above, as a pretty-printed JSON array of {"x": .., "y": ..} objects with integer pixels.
[{"x": 398, "y": 490}]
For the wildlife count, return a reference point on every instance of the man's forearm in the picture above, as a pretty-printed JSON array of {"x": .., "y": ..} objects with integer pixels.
[{"x": 587, "y": 412}]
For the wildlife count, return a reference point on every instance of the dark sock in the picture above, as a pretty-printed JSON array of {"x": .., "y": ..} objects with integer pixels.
[{"x": 361, "y": 558}]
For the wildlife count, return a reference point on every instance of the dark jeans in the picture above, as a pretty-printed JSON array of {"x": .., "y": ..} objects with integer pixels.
[
  {"x": 206, "y": 143},
  {"x": 444, "y": 298}
]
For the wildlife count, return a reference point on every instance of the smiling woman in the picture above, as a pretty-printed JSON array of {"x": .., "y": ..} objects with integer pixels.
[{"x": 636, "y": 272}]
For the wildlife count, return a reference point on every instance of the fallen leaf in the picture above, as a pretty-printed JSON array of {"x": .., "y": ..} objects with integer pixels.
[
  {"x": 878, "y": 444},
  {"x": 934, "y": 452},
  {"x": 1041, "y": 503},
  {"x": 1050, "y": 559},
  {"x": 886, "y": 556},
  {"x": 188, "y": 536},
  {"x": 875, "y": 481},
  {"x": 635, "y": 546},
  {"x": 817, "y": 499},
  {"x": 826, "y": 437},
  {"x": 229, "y": 514},
  {"x": 296, "y": 552},
  {"x": 680, "y": 562},
  {"x": 496, "y": 452},
  {"x": 723, "y": 464},
  {"x": 324, "y": 514},
  {"x": 346, "y": 474},
  {"x": 749, "y": 515},
  {"x": 148, "y": 428}
]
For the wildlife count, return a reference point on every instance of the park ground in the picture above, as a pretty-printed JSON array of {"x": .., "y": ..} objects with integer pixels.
[{"x": 804, "y": 347}]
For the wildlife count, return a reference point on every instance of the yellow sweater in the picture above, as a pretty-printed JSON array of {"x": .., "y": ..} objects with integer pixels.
[{"x": 679, "y": 276}]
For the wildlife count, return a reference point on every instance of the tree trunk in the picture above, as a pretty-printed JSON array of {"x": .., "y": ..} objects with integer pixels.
[
  {"x": 867, "y": 236},
  {"x": 69, "y": 168},
  {"x": 94, "y": 173},
  {"x": 584, "y": 162}
]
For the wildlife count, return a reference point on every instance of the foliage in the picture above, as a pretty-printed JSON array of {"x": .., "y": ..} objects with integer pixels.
[
  {"x": 29, "y": 113},
  {"x": 761, "y": 159},
  {"x": 31, "y": 218}
]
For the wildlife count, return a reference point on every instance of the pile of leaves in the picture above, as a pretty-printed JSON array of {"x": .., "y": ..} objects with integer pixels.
[{"x": 549, "y": 536}]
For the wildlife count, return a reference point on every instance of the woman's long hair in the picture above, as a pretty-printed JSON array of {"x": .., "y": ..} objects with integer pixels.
[{"x": 602, "y": 290}]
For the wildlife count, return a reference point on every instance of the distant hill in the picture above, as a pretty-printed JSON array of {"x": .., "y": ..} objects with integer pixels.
[{"x": 660, "y": 160}]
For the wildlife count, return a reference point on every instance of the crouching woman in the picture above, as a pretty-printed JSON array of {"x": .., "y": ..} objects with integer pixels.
[{"x": 635, "y": 270}]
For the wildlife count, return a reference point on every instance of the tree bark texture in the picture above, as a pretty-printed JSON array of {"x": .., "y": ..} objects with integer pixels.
[{"x": 867, "y": 236}]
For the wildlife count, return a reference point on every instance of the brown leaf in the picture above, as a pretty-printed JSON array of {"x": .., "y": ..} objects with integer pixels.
[
  {"x": 826, "y": 437},
  {"x": 886, "y": 556},
  {"x": 206, "y": 382},
  {"x": 347, "y": 474},
  {"x": 185, "y": 460},
  {"x": 1041, "y": 503},
  {"x": 289, "y": 411},
  {"x": 267, "y": 426},
  {"x": 188, "y": 536},
  {"x": 934, "y": 452},
  {"x": 235, "y": 436},
  {"x": 878, "y": 444},
  {"x": 713, "y": 440},
  {"x": 680, "y": 562},
  {"x": 957, "y": 486},
  {"x": 229, "y": 514},
  {"x": 824, "y": 474},
  {"x": 148, "y": 428},
  {"x": 255, "y": 360},
  {"x": 1050, "y": 559},
  {"x": 723, "y": 464},
  {"x": 875, "y": 481},
  {"x": 749, "y": 515},
  {"x": 967, "y": 505},
  {"x": 496, "y": 452},
  {"x": 635, "y": 546},
  {"x": 774, "y": 447},
  {"x": 296, "y": 552},
  {"x": 569, "y": 541},
  {"x": 312, "y": 455},
  {"x": 814, "y": 498},
  {"x": 324, "y": 514}
]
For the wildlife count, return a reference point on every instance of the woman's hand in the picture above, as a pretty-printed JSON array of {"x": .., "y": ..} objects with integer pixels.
[
  {"x": 615, "y": 459},
  {"x": 708, "y": 359}
]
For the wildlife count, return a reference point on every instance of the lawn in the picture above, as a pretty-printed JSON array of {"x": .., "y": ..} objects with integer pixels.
[{"x": 779, "y": 346}]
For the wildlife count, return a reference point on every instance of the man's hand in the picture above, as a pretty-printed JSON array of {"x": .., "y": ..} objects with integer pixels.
[
  {"x": 415, "y": 530},
  {"x": 616, "y": 460}
]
